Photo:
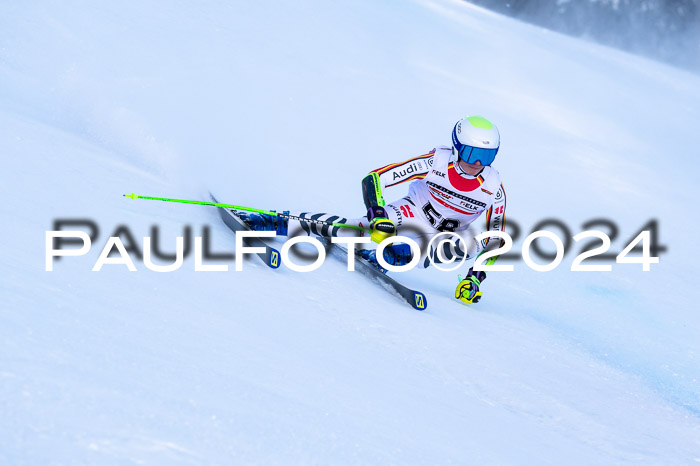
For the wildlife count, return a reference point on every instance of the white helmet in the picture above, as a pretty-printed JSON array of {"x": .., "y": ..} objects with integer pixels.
[{"x": 475, "y": 138}]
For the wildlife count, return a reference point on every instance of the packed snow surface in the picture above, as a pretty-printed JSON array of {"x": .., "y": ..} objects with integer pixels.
[{"x": 287, "y": 106}]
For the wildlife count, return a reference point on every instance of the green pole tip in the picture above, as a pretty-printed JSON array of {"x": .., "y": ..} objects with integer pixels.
[{"x": 132, "y": 196}]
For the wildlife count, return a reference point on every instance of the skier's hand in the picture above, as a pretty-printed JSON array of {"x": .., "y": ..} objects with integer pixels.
[
  {"x": 468, "y": 289},
  {"x": 380, "y": 227}
]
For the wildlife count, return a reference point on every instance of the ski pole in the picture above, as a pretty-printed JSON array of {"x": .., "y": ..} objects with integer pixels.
[{"x": 248, "y": 209}]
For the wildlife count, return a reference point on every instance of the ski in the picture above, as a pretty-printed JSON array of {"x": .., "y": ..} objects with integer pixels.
[
  {"x": 412, "y": 297},
  {"x": 271, "y": 256}
]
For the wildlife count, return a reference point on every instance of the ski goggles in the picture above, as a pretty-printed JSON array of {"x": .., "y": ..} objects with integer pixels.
[{"x": 476, "y": 154}]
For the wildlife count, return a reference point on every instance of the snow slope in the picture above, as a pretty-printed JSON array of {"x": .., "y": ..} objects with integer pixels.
[{"x": 287, "y": 106}]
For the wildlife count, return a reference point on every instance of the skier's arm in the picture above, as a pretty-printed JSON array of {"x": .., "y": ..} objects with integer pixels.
[
  {"x": 496, "y": 221},
  {"x": 381, "y": 227},
  {"x": 468, "y": 288},
  {"x": 392, "y": 175}
]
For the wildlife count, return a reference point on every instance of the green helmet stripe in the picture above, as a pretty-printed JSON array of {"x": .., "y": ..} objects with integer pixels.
[{"x": 480, "y": 122}]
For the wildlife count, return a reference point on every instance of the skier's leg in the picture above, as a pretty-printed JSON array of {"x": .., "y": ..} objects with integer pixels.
[
  {"x": 321, "y": 224},
  {"x": 451, "y": 247},
  {"x": 303, "y": 224},
  {"x": 412, "y": 223}
]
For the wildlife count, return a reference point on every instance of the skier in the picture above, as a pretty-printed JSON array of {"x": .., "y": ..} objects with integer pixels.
[{"x": 451, "y": 188}]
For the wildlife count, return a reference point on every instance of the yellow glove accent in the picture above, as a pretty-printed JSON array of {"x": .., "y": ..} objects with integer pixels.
[
  {"x": 381, "y": 229},
  {"x": 467, "y": 292}
]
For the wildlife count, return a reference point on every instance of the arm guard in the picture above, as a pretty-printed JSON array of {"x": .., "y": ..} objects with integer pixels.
[{"x": 372, "y": 191}]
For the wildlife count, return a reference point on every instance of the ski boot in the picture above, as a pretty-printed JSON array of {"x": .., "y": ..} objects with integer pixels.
[
  {"x": 397, "y": 254},
  {"x": 265, "y": 222}
]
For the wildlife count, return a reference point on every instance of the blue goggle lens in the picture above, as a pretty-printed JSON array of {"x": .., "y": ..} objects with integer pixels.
[{"x": 473, "y": 154}]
